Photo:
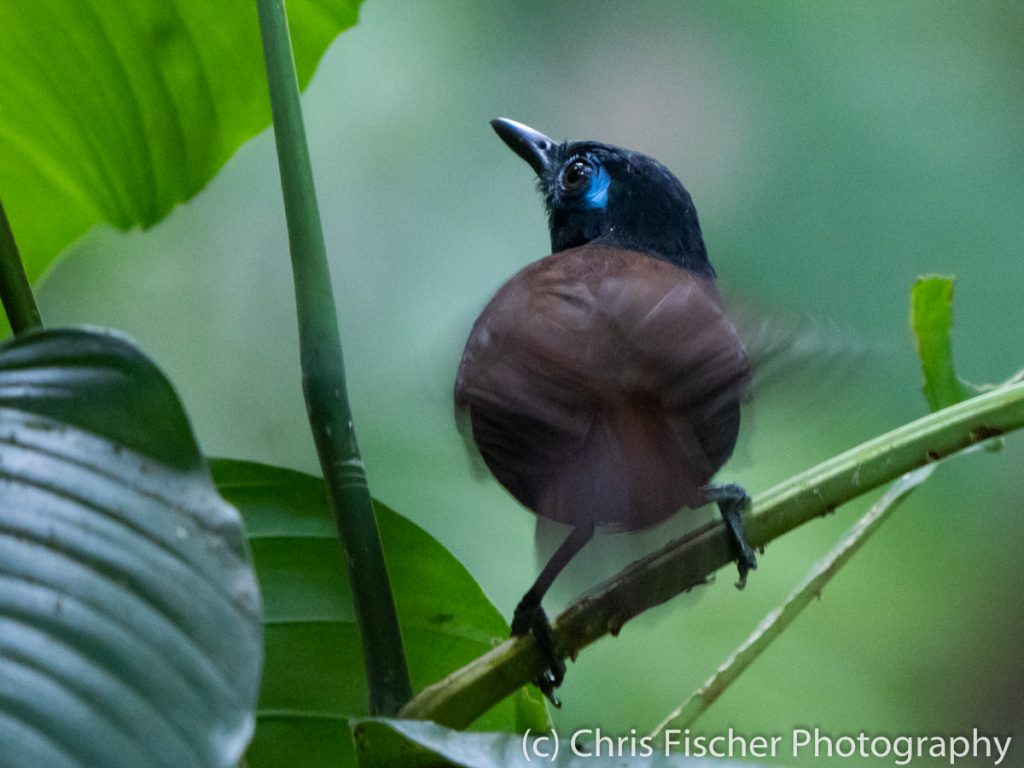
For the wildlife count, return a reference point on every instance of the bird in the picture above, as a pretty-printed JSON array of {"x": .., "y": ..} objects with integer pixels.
[{"x": 602, "y": 384}]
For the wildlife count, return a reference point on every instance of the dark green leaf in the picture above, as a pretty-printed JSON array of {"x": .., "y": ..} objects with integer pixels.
[
  {"x": 932, "y": 321},
  {"x": 314, "y": 678},
  {"x": 415, "y": 743},
  {"x": 115, "y": 113},
  {"x": 99, "y": 382},
  {"x": 130, "y": 627}
]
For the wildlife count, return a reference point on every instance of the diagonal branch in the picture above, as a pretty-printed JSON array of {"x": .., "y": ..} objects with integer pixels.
[{"x": 687, "y": 562}]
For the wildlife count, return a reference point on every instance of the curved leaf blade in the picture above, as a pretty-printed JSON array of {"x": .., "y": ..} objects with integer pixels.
[
  {"x": 99, "y": 382},
  {"x": 130, "y": 627},
  {"x": 114, "y": 113},
  {"x": 931, "y": 318},
  {"x": 314, "y": 679}
]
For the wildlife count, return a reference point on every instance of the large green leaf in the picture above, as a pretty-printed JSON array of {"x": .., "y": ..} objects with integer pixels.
[
  {"x": 314, "y": 679},
  {"x": 115, "y": 112},
  {"x": 130, "y": 631}
]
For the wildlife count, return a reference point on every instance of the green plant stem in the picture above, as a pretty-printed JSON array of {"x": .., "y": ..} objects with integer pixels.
[
  {"x": 687, "y": 562},
  {"x": 323, "y": 380},
  {"x": 775, "y": 623},
  {"x": 15, "y": 291}
]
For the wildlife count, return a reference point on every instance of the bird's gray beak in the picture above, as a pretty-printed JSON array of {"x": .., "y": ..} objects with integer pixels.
[{"x": 533, "y": 146}]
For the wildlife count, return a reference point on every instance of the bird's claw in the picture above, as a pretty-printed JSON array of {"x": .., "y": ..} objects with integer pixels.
[
  {"x": 745, "y": 562},
  {"x": 529, "y": 618},
  {"x": 731, "y": 499}
]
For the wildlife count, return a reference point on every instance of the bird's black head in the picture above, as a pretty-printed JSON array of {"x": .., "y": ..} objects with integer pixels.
[{"x": 597, "y": 193}]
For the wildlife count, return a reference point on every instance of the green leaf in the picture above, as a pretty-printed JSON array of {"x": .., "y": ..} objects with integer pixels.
[
  {"x": 314, "y": 679},
  {"x": 130, "y": 631},
  {"x": 99, "y": 382},
  {"x": 932, "y": 320},
  {"x": 413, "y": 743},
  {"x": 116, "y": 113}
]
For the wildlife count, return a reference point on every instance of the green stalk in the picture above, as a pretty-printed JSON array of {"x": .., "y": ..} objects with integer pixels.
[
  {"x": 15, "y": 291},
  {"x": 772, "y": 627},
  {"x": 323, "y": 380},
  {"x": 688, "y": 561}
]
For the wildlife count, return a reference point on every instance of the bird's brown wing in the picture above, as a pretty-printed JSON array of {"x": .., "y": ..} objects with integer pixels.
[{"x": 603, "y": 386}]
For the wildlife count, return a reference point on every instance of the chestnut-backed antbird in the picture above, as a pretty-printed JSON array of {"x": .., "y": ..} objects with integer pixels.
[{"x": 603, "y": 382}]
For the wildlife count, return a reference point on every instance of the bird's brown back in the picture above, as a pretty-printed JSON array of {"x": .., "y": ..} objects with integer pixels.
[{"x": 603, "y": 385}]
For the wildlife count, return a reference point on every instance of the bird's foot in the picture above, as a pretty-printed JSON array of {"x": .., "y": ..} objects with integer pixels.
[
  {"x": 530, "y": 617},
  {"x": 731, "y": 499}
]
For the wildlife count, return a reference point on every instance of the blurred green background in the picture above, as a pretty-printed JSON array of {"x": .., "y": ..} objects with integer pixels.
[{"x": 834, "y": 151}]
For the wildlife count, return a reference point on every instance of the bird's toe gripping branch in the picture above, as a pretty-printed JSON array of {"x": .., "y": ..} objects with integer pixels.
[
  {"x": 731, "y": 500},
  {"x": 530, "y": 617}
]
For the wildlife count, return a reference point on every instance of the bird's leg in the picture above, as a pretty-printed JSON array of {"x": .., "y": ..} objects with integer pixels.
[
  {"x": 731, "y": 499},
  {"x": 530, "y": 616}
]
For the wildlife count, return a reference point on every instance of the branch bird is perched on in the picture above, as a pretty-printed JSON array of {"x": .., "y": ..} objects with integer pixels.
[{"x": 603, "y": 382}]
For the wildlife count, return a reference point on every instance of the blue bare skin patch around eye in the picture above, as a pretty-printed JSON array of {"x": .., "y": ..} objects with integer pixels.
[{"x": 597, "y": 192}]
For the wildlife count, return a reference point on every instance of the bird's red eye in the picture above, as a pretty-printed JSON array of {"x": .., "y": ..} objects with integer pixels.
[{"x": 576, "y": 175}]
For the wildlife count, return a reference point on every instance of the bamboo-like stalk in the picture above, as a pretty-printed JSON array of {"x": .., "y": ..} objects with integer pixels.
[{"x": 323, "y": 380}]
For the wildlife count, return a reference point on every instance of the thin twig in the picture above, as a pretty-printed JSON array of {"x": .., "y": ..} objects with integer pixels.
[{"x": 775, "y": 622}]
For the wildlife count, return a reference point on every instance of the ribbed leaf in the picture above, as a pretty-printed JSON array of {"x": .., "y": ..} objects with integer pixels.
[{"x": 130, "y": 630}]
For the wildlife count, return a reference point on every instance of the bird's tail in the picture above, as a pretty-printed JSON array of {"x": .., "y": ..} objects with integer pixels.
[{"x": 634, "y": 469}]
